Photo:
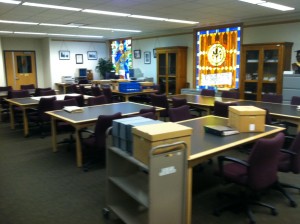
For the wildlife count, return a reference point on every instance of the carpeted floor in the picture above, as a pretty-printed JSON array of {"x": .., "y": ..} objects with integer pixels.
[{"x": 38, "y": 186}]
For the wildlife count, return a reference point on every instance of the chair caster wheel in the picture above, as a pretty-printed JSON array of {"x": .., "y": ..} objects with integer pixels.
[
  {"x": 105, "y": 213},
  {"x": 293, "y": 204},
  {"x": 274, "y": 212}
]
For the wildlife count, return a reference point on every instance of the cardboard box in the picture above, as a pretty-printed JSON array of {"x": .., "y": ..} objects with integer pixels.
[
  {"x": 148, "y": 136},
  {"x": 247, "y": 118}
]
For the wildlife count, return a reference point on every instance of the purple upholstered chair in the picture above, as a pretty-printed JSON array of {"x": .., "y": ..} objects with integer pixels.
[
  {"x": 230, "y": 94},
  {"x": 79, "y": 98},
  {"x": 208, "y": 92},
  {"x": 95, "y": 143},
  {"x": 221, "y": 108},
  {"x": 160, "y": 100},
  {"x": 256, "y": 174},
  {"x": 290, "y": 162},
  {"x": 180, "y": 113},
  {"x": 97, "y": 100},
  {"x": 295, "y": 100},
  {"x": 96, "y": 91},
  {"x": 177, "y": 102}
]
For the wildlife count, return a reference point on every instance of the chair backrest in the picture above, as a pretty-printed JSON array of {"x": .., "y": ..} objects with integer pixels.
[
  {"x": 79, "y": 98},
  {"x": 60, "y": 104},
  {"x": 222, "y": 108},
  {"x": 263, "y": 162},
  {"x": 96, "y": 91},
  {"x": 230, "y": 94},
  {"x": 208, "y": 92},
  {"x": 295, "y": 159},
  {"x": 97, "y": 100},
  {"x": 49, "y": 92},
  {"x": 272, "y": 98},
  {"x": 148, "y": 113},
  {"x": 83, "y": 81},
  {"x": 5, "y": 88},
  {"x": 72, "y": 89},
  {"x": 29, "y": 86},
  {"x": 295, "y": 100},
  {"x": 177, "y": 102},
  {"x": 45, "y": 104},
  {"x": 160, "y": 100},
  {"x": 102, "y": 124},
  {"x": 180, "y": 113},
  {"x": 108, "y": 94},
  {"x": 38, "y": 90},
  {"x": 17, "y": 94}
]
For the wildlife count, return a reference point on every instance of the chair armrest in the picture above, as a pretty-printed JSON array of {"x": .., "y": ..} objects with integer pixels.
[
  {"x": 222, "y": 159},
  {"x": 288, "y": 152},
  {"x": 92, "y": 133}
]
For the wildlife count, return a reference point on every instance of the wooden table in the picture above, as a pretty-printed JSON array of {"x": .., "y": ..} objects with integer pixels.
[
  {"x": 205, "y": 146},
  {"x": 26, "y": 103},
  {"x": 127, "y": 95},
  {"x": 203, "y": 102},
  {"x": 89, "y": 117}
]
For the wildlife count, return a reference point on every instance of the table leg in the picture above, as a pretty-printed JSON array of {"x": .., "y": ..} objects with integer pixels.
[
  {"x": 25, "y": 122},
  {"x": 53, "y": 135},
  {"x": 78, "y": 149},
  {"x": 12, "y": 116}
]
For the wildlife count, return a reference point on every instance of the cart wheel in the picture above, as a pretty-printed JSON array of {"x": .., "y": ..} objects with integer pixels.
[{"x": 105, "y": 213}]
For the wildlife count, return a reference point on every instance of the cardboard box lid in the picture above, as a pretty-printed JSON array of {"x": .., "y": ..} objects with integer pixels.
[
  {"x": 165, "y": 130},
  {"x": 247, "y": 110}
]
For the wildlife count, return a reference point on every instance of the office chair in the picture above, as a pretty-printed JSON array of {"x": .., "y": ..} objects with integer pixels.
[
  {"x": 95, "y": 144},
  {"x": 207, "y": 92},
  {"x": 230, "y": 94},
  {"x": 49, "y": 92},
  {"x": 17, "y": 110},
  {"x": 180, "y": 113},
  {"x": 84, "y": 91},
  {"x": 221, "y": 109},
  {"x": 256, "y": 174},
  {"x": 177, "y": 102},
  {"x": 62, "y": 126},
  {"x": 271, "y": 98},
  {"x": 97, "y": 100},
  {"x": 96, "y": 91},
  {"x": 289, "y": 162},
  {"x": 110, "y": 98},
  {"x": 37, "y": 91},
  {"x": 26, "y": 87},
  {"x": 79, "y": 98},
  {"x": 148, "y": 113},
  {"x": 39, "y": 116},
  {"x": 72, "y": 89},
  {"x": 4, "y": 104},
  {"x": 160, "y": 100}
]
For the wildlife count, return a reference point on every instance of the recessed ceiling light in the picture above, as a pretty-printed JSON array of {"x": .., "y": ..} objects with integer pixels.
[
  {"x": 105, "y": 12},
  {"x": 30, "y": 33},
  {"x": 10, "y": 2},
  {"x": 101, "y": 28},
  {"x": 5, "y": 31},
  {"x": 181, "y": 21},
  {"x": 252, "y": 1},
  {"x": 147, "y": 17},
  {"x": 276, "y": 6},
  {"x": 18, "y": 22},
  {"x": 51, "y": 6},
  {"x": 58, "y": 25}
]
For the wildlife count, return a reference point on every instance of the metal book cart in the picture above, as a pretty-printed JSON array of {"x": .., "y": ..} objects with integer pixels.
[{"x": 153, "y": 194}]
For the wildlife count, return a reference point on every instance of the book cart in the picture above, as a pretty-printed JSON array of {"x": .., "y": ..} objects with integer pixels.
[{"x": 150, "y": 194}]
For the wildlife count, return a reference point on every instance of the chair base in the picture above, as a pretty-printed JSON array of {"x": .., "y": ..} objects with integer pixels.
[
  {"x": 242, "y": 202},
  {"x": 280, "y": 187}
]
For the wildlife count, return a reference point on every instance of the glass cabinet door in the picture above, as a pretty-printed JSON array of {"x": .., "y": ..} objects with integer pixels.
[
  {"x": 172, "y": 64},
  {"x": 270, "y": 71},
  {"x": 162, "y": 64}
]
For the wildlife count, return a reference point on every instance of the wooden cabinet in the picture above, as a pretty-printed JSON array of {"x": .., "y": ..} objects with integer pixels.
[
  {"x": 262, "y": 67},
  {"x": 171, "y": 69}
]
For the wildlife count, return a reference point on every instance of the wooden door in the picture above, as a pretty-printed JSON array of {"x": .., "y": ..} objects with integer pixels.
[{"x": 20, "y": 68}]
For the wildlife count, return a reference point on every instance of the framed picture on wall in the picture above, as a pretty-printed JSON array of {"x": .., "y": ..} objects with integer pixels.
[
  {"x": 137, "y": 54},
  {"x": 79, "y": 58},
  {"x": 64, "y": 55},
  {"x": 147, "y": 57},
  {"x": 92, "y": 55}
]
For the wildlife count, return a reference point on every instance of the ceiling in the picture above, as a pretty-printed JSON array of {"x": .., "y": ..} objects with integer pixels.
[{"x": 206, "y": 12}]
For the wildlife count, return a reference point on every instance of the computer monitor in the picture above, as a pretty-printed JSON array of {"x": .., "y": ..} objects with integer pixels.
[{"x": 82, "y": 72}]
